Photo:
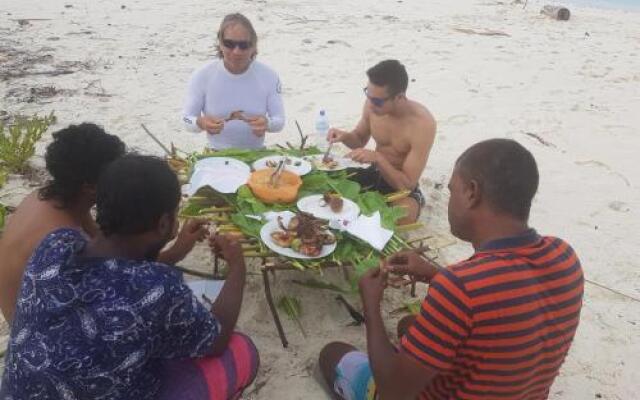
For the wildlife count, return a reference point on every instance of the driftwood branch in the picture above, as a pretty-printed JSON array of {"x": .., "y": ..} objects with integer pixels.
[
  {"x": 556, "y": 12},
  {"x": 303, "y": 138},
  {"x": 155, "y": 139},
  {"x": 542, "y": 141},
  {"x": 481, "y": 32},
  {"x": 619, "y": 293}
]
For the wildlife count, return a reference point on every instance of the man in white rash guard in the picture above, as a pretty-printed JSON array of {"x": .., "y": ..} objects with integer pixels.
[{"x": 235, "y": 99}]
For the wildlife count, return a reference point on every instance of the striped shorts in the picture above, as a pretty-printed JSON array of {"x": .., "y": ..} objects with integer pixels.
[{"x": 213, "y": 378}]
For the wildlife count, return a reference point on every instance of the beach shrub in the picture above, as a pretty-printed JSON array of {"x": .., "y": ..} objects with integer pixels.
[
  {"x": 3, "y": 215},
  {"x": 3, "y": 177},
  {"x": 18, "y": 141}
]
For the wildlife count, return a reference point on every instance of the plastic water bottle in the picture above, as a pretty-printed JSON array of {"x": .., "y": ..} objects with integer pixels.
[{"x": 322, "y": 129}]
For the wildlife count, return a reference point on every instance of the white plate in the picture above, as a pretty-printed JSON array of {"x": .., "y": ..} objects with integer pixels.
[
  {"x": 271, "y": 226},
  {"x": 224, "y": 163},
  {"x": 314, "y": 205},
  {"x": 222, "y": 174},
  {"x": 303, "y": 168},
  {"x": 343, "y": 163}
]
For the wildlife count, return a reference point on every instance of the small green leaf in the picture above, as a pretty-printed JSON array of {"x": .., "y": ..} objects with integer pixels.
[
  {"x": 291, "y": 306},
  {"x": 414, "y": 307}
]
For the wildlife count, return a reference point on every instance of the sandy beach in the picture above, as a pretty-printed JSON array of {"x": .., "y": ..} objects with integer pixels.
[{"x": 568, "y": 91}]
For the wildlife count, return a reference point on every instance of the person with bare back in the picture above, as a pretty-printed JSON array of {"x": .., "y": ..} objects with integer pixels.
[{"x": 403, "y": 131}]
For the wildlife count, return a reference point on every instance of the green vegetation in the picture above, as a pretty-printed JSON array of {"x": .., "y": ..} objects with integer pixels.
[
  {"x": 17, "y": 145},
  {"x": 291, "y": 306},
  {"x": 233, "y": 213},
  {"x": 18, "y": 141}
]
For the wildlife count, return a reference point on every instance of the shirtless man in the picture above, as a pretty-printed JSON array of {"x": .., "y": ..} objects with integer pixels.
[
  {"x": 74, "y": 159},
  {"x": 403, "y": 131}
]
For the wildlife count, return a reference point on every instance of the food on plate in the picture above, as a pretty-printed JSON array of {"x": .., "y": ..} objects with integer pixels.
[
  {"x": 239, "y": 115},
  {"x": 334, "y": 201},
  {"x": 273, "y": 163},
  {"x": 283, "y": 190},
  {"x": 304, "y": 234},
  {"x": 282, "y": 238},
  {"x": 325, "y": 162}
]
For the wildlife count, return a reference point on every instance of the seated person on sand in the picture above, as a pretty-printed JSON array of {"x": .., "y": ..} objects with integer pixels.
[
  {"x": 403, "y": 131},
  {"x": 497, "y": 325},
  {"x": 235, "y": 99},
  {"x": 74, "y": 160},
  {"x": 101, "y": 319}
]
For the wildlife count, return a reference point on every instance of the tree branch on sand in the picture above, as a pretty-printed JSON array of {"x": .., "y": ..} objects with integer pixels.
[
  {"x": 481, "y": 32},
  {"x": 542, "y": 141}
]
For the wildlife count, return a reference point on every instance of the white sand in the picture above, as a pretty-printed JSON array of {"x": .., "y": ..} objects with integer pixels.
[{"x": 574, "y": 84}]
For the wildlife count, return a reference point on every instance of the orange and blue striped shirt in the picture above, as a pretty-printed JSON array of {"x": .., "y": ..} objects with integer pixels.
[{"x": 499, "y": 325}]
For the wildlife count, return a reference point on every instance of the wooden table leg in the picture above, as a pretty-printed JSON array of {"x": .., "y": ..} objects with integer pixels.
[
  {"x": 274, "y": 311},
  {"x": 345, "y": 273}
]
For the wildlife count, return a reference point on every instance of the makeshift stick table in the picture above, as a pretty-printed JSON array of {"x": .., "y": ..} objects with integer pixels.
[
  {"x": 231, "y": 216},
  {"x": 271, "y": 263}
]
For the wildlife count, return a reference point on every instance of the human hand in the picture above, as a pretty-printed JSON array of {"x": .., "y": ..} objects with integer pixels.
[
  {"x": 335, "y": 135},
  {"x": 372, "y": 285},
  {"x": 236, "y": 115},
  {"x": 258, "y": 124},
  {"x": 363, "y": 156},
  {"x": 411, "y": 264},
  {"x": 210, "y": 124},
  {"x": 226, "y": 246},
  {"x": 193, "y": 230}
]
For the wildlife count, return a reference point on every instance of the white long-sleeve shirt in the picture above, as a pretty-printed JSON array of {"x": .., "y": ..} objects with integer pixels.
[{"x": 215, "y": 92}]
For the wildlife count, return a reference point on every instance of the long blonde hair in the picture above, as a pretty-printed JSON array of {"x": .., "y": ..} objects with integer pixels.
[{"x": 232, "y": 19}]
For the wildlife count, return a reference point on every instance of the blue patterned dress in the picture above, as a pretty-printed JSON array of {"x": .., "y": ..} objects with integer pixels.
[{"x": 95, "y": 328}]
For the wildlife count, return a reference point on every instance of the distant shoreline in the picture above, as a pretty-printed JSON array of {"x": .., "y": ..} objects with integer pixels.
[{"x": 621, "y": 5}]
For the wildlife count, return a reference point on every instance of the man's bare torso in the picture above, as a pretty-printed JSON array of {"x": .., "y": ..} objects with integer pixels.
[{"x": 394, "y": 136}]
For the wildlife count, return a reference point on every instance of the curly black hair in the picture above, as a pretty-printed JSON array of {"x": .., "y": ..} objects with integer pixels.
[
  {"x": 133, "y": 193},
  {"x": 77, "y": 156}
]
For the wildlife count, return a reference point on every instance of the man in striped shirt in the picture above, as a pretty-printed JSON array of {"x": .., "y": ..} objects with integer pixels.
[{"x": 495, "y": 326}]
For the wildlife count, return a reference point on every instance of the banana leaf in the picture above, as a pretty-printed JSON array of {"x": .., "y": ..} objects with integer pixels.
[{"x": 349, "y": 250}]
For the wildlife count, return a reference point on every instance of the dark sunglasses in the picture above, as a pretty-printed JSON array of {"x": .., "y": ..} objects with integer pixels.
[
  {"x": 376, "y": 101},
  {"x": 232, "y": 44}
]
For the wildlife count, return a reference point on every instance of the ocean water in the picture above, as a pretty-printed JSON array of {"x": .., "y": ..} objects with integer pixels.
[{"x": 633, "y": 5}]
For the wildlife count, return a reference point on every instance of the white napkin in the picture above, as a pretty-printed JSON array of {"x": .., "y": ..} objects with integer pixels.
[
  {"x": 370, "y": 230},
  {"x": 210, "y": 288}
]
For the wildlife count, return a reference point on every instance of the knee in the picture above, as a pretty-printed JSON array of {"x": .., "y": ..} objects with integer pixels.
[
  {"x": 330, "y": 356},
  {"x": 239, "y": 341},
  {"x": 328, "y": 352},
  {"x": 411, "y": 208}
]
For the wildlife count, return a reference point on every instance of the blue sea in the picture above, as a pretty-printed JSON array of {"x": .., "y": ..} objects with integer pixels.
[{"x": 610, "y": 4}]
